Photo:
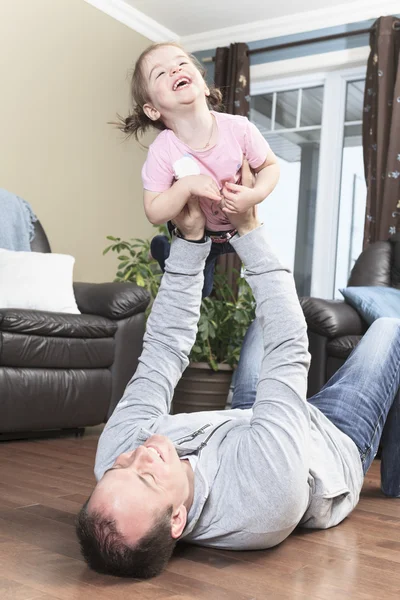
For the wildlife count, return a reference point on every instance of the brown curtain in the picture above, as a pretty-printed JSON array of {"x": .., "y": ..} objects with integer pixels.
[
  {"x": 381, "y": 131},
  {"x": 232, "y": 77}
]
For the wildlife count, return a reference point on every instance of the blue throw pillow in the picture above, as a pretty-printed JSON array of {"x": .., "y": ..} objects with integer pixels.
[{"x": 373, "y": 302}]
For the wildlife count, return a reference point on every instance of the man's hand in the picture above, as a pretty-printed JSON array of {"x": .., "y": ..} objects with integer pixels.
[
  {"x": 247, "y": 176},
  {"x": 245, "y": 222},
  {"x": 191, "y": 220}
]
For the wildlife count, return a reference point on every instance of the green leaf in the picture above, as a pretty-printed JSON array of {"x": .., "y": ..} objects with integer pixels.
[
  {"x": 128, "y": 274},
  {"x": 139, "y": 280},
  {"x": 213, "y": 364}
]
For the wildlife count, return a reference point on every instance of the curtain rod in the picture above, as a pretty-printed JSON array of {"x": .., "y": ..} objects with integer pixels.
[{"x": 325, "y": 38}]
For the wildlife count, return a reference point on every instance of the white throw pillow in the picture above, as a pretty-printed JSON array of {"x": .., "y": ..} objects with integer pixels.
[{"x": 37, "y": 281}]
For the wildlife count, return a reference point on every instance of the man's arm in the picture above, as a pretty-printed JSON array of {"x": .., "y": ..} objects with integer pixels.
[
  {"x": 170, "y": 334},
  {"x": 278, "y": 440},
  {"x": 286, "y": 359}
]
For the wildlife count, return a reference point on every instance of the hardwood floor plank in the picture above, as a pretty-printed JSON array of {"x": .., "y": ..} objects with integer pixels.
[
  {"x": 44, "y": 571},
  {"x": 232, "y": 581},
  {"x": 36, "y": 448},
  {"x": 78, "y": 498},
  {"x": 11, "y": 590},
  {"x": 20, "y": 497},
  {"x": 50, "y": 513},
  {"x": 199, "y": 588},
  {"x": 65, "y": 548},
  {"x": 35, "y": 484},
  {"x": 65, "y": 485},
  {"x": 382, "y": 506},
  {"x": 59, "y": 468}
]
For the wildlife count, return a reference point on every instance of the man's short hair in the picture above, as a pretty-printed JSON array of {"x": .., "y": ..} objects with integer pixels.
[{"x": 106, "y": 551}]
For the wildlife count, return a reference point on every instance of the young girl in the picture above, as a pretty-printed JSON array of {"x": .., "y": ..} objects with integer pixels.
[{"x": 199, "y": 151}]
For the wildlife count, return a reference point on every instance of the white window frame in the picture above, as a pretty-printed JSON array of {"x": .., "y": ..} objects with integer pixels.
[{"x": 330, "y": 164}]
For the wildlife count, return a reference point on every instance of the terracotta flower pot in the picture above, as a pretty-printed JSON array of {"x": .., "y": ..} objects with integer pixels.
[{"x": 201, "y": 388}]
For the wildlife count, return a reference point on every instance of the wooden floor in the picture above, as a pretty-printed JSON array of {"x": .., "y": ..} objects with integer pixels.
[{"x": 43, "y": 484}]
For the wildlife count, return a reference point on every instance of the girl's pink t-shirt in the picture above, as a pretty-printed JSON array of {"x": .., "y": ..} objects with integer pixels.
[{"x": 170, "y": 159}]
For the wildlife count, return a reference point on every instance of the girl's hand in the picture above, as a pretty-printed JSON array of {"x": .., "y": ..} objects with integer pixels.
[
  {"x": 238, "y": 198},
  {"x": 247, "y": 220},
  {"x": 202, "y": 185}
]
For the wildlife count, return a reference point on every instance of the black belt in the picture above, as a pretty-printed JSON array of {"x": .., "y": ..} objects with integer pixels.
[{"x": 219, "y": 237}]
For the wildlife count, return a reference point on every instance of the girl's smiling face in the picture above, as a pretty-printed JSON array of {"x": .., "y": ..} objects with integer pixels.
[{"x": 173, "y": 82}]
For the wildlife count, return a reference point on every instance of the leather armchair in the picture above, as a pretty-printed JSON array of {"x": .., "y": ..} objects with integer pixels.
[
  {"x": 334, "y": 327},
  {"x": 62, "y": 371}
]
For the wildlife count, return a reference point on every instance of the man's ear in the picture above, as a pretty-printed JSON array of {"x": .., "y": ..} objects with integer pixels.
[
  {"x": 207, "y": 91},
  {"x": 151, "y": 112},
  {"x": 178, "y": 521}
]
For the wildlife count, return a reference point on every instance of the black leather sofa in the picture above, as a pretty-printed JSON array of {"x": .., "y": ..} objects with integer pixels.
[
  {"x": 62, "y": 371},
  {"x": 334, "y": 327}
]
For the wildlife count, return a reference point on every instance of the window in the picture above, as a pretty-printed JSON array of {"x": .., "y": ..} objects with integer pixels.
[
  {"x": 313, "y": 124},
  {"x": 291, "y": 123}
]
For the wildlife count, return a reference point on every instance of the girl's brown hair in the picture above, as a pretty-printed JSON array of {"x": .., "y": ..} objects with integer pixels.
[{"x": 137, "y": 122}]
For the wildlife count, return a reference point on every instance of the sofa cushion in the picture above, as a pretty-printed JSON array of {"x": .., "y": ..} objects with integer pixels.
[
  {"x": 22, "y": 350},
  {"x": 341, "y": 347},
  {"x": 38, "y": 399},
  {"x": 373, "y": 302},
  {"x": 114, "y": 301},
  {"x": 331, "y": 318},
  {"x": 37, "y": 281},
  {"x": 373, "y": 266},
  {"x": 55, "y": 324}
]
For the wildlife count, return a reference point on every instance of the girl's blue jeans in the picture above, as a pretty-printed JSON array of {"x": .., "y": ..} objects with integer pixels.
[
  {"x": 160, "y": 248},
  {"x": 362, "y": 398}
]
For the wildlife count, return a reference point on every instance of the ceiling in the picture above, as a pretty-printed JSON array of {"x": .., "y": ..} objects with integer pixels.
[
  {"x": 190, "y": 17},
  {"x": 206, "y": 24}
]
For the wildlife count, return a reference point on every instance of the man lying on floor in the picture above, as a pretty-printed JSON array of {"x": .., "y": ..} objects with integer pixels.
[{"x": 244, "y": 478}]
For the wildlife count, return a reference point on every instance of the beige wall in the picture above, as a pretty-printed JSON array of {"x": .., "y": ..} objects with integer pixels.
[{"x": 63, "y": 75}]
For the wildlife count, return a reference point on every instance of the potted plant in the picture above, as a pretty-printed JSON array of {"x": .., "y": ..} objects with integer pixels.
[{"x": 224, "y": 320}]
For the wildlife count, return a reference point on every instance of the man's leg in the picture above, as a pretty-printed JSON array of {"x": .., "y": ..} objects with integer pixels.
[
  {"x": 248, "y": 370},
  {"x": 359, "y": 397}
]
